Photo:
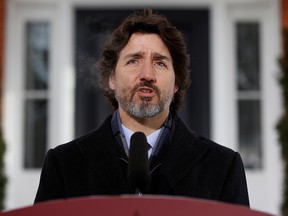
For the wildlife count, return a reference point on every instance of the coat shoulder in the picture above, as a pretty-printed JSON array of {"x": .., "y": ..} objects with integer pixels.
[
  {"x": 88, "y": 140},
  {"x": 182, "y": 130},
  {"x": 199, "y": 143}
]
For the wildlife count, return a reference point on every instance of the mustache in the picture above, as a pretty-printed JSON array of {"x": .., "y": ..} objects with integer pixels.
[{"x": 146, "y": 84}]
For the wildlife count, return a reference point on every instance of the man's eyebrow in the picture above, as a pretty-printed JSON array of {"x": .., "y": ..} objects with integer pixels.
[
  {"x": 159, "y": 56},
  {"x": 134, "y": 55},
  {"x": 140, "y": 54}
]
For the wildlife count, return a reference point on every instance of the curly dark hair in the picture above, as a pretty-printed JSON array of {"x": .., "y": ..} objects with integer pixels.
[{"x": 146, "y": 21}]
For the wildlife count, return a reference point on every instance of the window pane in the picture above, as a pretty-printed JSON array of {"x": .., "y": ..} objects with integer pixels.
[
  {"x": 248, "y": 56},
  {"x": 250, "y": 133},
  {"x": 35, "y": 132},
  {"x": 37, "y": 55}
]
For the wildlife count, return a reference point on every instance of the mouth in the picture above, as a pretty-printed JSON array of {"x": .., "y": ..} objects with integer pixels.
[{"x": 146, "y": 91}]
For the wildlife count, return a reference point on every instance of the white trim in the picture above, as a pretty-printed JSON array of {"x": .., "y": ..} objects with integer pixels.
[
  {"x": 272, "y": 104},
  {"x": 220, "y": 90},
  {"x": 249, "y": 95},
  {"x": 63, "y": 79},
  {"x": 14, "y": 96},
  {"x": 266, "y": 15},
  {"x": 43, "y": 94}
]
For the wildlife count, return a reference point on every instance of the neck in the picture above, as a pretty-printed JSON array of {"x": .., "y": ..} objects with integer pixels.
[{"x": 147, "y": 126}]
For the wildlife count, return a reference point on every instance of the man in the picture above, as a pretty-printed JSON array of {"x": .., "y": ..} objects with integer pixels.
[{"x": 144, "y": 74}]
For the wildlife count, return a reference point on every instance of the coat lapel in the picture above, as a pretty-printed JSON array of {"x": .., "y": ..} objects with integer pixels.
[
  {"x": 180, "y": 154},
  {"x": 102, "y": 150}
]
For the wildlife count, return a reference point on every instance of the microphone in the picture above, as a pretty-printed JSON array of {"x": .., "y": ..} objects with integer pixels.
[{"x": 138, "y": 173}]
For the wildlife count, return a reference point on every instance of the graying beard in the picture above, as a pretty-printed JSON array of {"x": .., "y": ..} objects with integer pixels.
[{"x": 144, "y": 110}]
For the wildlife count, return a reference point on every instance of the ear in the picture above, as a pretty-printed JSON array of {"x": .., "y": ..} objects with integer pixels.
[
  {"x": 176, "y": 88},
  {"x": 112, "y": 81}
]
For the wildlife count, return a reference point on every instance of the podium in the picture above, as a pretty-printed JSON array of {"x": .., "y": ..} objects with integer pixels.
[{"x": 127, "y": 205}]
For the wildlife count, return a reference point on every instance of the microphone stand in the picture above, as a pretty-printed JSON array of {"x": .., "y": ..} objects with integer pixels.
[{"x": 138, "y": 192}]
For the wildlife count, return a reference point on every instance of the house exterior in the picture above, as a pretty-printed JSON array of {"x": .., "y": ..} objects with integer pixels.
[{"x": 46, "y": 48}]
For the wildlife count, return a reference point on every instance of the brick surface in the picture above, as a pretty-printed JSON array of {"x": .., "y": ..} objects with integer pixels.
[
  {"x": 284, "y": 13},
  {"x": 2, "y": 29}
]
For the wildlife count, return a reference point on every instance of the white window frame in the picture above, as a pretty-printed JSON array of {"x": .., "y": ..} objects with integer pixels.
[
  {"x": 270, "y": 174},
  {"x": 59, "y": 95}
]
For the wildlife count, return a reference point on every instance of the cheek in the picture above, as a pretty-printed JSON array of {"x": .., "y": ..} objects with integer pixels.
[
  {"x": 170, "y": 85},
  {"x": 112, "y": 83},
  {"x": 169, "y": 90}
]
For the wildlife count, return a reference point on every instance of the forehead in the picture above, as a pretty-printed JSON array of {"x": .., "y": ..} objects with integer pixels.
[{"x": 146, "y": 43}]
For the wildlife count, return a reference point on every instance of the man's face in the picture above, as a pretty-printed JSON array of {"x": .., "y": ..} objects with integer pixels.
[{"x": 144, "y": 78}]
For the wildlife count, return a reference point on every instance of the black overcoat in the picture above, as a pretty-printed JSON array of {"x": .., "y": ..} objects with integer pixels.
[{"x": 187, "y": 165}]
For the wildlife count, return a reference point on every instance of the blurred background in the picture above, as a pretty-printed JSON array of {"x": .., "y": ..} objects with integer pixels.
[{"x": 49, "y": 91}]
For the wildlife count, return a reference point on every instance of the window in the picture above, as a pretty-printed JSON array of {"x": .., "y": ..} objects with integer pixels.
[
  {"x": 249, "y": 93},
  {"x": 36, "y": 93}
]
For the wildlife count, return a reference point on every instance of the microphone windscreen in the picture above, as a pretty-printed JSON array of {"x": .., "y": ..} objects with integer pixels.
[{"x": 138, "y": 172}]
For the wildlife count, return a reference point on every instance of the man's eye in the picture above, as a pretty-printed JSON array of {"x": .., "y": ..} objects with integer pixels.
[
  {"x": 132, "y": 61},
  {"x": 161, "y": 64}
]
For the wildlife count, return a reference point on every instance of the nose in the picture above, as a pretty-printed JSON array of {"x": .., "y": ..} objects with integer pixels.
[{"x": 147, "y": 72}]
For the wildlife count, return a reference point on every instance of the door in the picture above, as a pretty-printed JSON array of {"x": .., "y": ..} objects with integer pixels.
[{"x": 94, "y": 26}]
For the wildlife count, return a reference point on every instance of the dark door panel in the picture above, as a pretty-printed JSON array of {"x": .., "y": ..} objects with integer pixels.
[{"x": 93, "y": 27}]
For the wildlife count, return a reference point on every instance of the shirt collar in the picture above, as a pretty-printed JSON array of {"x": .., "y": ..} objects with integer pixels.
[
  {"x": 151, "y": 139},
  {"x": 156, "y": 140}
]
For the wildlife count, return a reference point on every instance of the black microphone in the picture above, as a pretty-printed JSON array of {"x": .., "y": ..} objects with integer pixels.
[{"x": 138, "y": 173}]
